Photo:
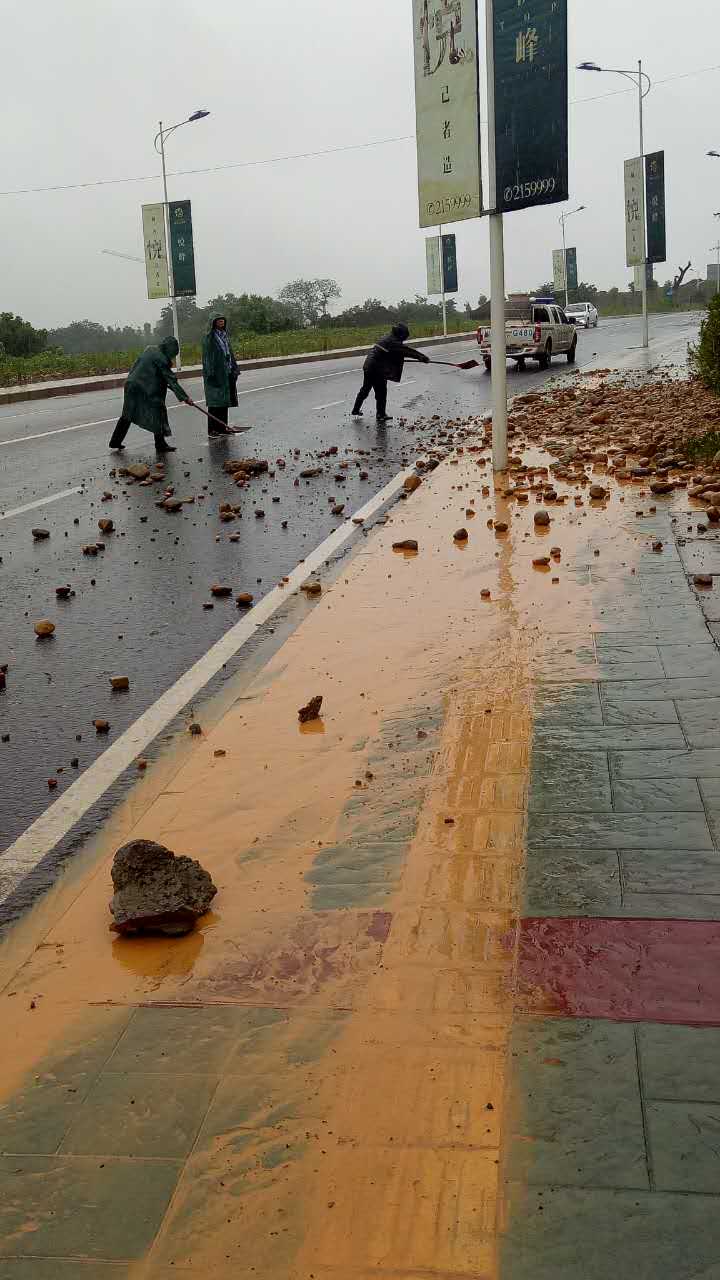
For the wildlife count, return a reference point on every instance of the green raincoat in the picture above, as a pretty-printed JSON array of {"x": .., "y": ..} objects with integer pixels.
[
  {"x": 147, "y": 385},
  {"x": 219, "y": 377}
]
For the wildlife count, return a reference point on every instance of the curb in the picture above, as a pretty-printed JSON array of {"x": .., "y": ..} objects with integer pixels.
[{"x": 46, "y": 391}]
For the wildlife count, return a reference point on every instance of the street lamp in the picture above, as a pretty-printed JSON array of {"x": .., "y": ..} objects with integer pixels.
[
  {"x": 638, "y": 78},
  {"x": 160, "y": 136},
  {"x": 562, "y": 220}
]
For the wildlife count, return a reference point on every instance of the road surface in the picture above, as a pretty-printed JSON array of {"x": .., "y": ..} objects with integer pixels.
[{"x": 138, "y": 608}]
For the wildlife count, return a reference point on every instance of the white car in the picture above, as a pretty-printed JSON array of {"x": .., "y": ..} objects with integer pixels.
[{"x": 582, "y": 314}]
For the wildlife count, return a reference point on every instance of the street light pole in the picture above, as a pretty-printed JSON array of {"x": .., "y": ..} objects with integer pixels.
[
  {"x": 640, "y": 76},
  {"x": 161, "y": 136},
  {"x": 645, "y": 327},
  {"x": 562, "y": 220},
  {"x": 171, "y": 281}
]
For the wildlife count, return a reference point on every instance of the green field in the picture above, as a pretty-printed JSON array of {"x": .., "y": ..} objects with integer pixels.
[{"x": 14, "y": 371}]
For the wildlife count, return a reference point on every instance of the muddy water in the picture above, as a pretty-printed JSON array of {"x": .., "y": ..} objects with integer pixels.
[{"x": 369, "y": 876}]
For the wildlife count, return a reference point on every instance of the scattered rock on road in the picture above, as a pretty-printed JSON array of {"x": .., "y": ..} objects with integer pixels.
[
  {"x": 157, "y": 892},
  {"x": 244, "y": 600},
  {"x": 40, "y": 534},
  {"x": 703, "y": 580},
  {"x": 102, "y": 726},
  {"x": 44, "y": 628},
  {"x": 312, "y": 588},
  {"x": 461, "y": 535},
  {"x": 106, "y": 526},
  {"x": 407, "y": 544},
  {"x": 411, "y": 483},
  {"x": 120, "y": 682},
  {"x": 311, "y": 711},
  {"x": 598, "y": 491},
  {"x": 541, "y": 518},
  {"x": 217, "y": 589}
]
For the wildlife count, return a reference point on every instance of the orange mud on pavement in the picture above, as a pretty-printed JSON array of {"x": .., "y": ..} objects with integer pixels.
[{"x": 335, "y": 1033}]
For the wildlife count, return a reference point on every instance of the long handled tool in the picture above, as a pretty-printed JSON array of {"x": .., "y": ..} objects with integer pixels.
[
  {"x": 466, "y": 364},
  {"x": 225, "y": 430}
]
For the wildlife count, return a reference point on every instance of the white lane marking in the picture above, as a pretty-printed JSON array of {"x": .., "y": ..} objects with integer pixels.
[
  {"x": 41, "y": 502},
  {"x": 331, "y": 405},
  {"x": 102, "y": 422},
  {"x": 42, "y": 835}
]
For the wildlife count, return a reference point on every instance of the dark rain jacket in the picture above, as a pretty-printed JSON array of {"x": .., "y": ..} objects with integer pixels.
[
  {"x": 147, "y": 385},
  {"x": 388, "y": 357},
  {"x": 219, "y": 377}
]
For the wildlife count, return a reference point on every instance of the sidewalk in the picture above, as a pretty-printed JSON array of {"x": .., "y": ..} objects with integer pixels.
[{"x": 456, "y": 1011}]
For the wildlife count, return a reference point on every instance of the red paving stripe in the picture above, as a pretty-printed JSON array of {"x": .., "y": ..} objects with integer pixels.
[{"x": 624, "y": 970}]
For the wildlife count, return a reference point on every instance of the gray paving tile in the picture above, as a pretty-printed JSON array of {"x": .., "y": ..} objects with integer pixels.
[
  {"x": 671, "y": 906},
  {"x": 710, "y": 788},
  {"x": 690, "y": 660},
  {"x": 686, "y": 871},
  {"x": 639, "y": 713},
  {"x": 657, "y": 795},
  {"x": 604, "y": 671},
  {"x": 558, "y": 1233},
  {"x": 575, "y": 1103},
  {"x": 620, "y": 830},
  {"x": 140, "y": 1115},
  {"x": 701, "y": 556},
  {"x": 681, "y": 1063},
  {"x": 186, "y": 1041},
  {"x": 562, "y": 779},
  {"x": 685, "y": 1143},
  {"x": 60, "y": 1207},
  {"x": 625, "y": 652},
  {"x": 702, "y": 762},
  {"x": 609, "y": 738},
  {"x": 648, "y": 690},
  {"x": 572, "y": 705},
  {"x": 584, "y": 882},
  {"x": 700, "y": 720}
]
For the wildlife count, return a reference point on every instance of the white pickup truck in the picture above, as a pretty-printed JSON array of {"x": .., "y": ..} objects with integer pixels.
[{"x": 536, "y": 329}]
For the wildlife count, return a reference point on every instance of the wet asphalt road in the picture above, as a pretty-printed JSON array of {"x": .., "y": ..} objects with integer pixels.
[{"x": 138, "y": 606}]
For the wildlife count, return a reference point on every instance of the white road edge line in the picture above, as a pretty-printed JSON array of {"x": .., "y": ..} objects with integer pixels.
[
  {"x": 41, "y": 502},
  {"x": 43, "y": 835},
  {"x": 331, "y": 405},
  {"x": 103, "y": 422}
]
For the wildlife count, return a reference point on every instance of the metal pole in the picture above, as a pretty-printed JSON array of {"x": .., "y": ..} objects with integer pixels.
[
  {"x": 442, "y": 281},
  {"x": 497, "y": 271},
  {"x": 645, "y": 335},
  {"x": 562, "y": 220},
  {"x": 171, "y": 281}
]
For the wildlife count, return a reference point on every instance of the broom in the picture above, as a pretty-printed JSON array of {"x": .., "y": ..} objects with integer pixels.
[{"x": 466, "y": 364}]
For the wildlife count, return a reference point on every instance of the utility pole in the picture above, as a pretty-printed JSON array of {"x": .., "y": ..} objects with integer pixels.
[
  {"x": 645, "y": 329},
  {"x": 498, "y": 347},
  {"x": 442, "y": 282},
  {"x": 173, "y": 299}
]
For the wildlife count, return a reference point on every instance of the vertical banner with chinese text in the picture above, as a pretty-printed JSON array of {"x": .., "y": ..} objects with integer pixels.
[
  {"x": 449, "y": 263},
  {"x": 634, "y": 212},
  {"x": 154, "y": 241},
  {"x": 558, "y": 270},
  {"x": 571, "y": 269},
  {"x": 531, "y": 102},
  {"x": 433, "y": 263},
  {"x": 655, "y": 206},
  {"x": 447, "y": 108},
  {"x": 181, "y": 248}
]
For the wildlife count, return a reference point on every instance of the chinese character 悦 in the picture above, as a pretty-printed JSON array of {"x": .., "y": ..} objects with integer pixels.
[{"x": 526, "y": 45}]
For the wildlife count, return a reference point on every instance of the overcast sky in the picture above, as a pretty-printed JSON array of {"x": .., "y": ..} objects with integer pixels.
[{"x": 84, "y": 83}]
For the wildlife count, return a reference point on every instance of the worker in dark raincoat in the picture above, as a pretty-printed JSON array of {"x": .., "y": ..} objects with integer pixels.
[
  {"x": 385, "y": 363},
  {"x": 220, "y": 375},
  {"x": 145, "y": 390}
]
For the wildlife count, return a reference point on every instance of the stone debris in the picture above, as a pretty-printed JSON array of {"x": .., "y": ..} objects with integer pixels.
[
  {"x": 406, "y": 544},
  {"x": 598, "y": 491},
  {"x": 136, "y": 471},
  {"x": 312, "y": 588},
  {"x": 485, "y": 593},
  {"x": 500, "y": 526},
  {"x": 541, "y": 562},
  {"x": 220, "y": 591},
  {"x": 90, "y": 549},
  {"x": 44, "y": 628},
  {"x": 657, "y": 546},
  {"x": 106, "y": 526},
  {"x": 411, "y": 483},
  {"x": 102, "y": 726},
  {"x": 311, "y": 711},
  {"x": 170, "y": 504},
  {"x": 244, "y": 600},
  {"x": 64, "y": 593},
  {"x": 703, "y": 580},
  {"x": 541, "y": 518},
  {"x": 156, "y": 891},
  {"x": 40, "y": 534},
  {"x": 310, "y": 472},
  {"x": 120, "y": 682},
  {"x": 461, "y": 535},
  {"x": 195, "y": 729}
]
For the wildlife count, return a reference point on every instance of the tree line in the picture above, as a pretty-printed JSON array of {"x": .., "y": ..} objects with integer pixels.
[{"x": 301, "y": 304}]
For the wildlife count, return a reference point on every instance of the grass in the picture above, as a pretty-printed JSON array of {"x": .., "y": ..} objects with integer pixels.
[
  {"x": 15, "y": 371},
  {"x": 702, "y": 448}
]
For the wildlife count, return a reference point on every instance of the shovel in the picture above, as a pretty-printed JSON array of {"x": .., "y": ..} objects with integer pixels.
[
  {"x": 466, "y": 364},
  {"x": 217, "y": 421}
]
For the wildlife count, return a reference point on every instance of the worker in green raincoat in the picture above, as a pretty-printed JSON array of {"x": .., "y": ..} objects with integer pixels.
[
  {"x": 220, "y": 375},
  {"x": 145, "y": 390}
]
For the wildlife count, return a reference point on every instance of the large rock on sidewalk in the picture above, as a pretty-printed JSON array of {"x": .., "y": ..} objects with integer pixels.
[{"x": 157, "y": 892}]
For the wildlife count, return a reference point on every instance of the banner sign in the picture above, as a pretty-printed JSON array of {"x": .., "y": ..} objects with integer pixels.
[
  {"x": 449, "y": 263},
  {"x": 639, "y": 276},
  {"x": 181, "y": 248},
  {"x": 154, "y": 240},
  {"x": 434, "y": 268},
  {"x": 447, "y": 110},
  {"x": 634, "y": 212},
  {"x": 655, "y": 205},
  {"x": 558, "y": 271},
  {"x": 713, "y": 272},
  {"x": 531, "y": 102},
  {"x": 572, "y": 274}
]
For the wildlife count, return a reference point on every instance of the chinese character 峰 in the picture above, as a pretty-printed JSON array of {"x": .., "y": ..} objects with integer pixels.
[{"x": 526, "y": 45}]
